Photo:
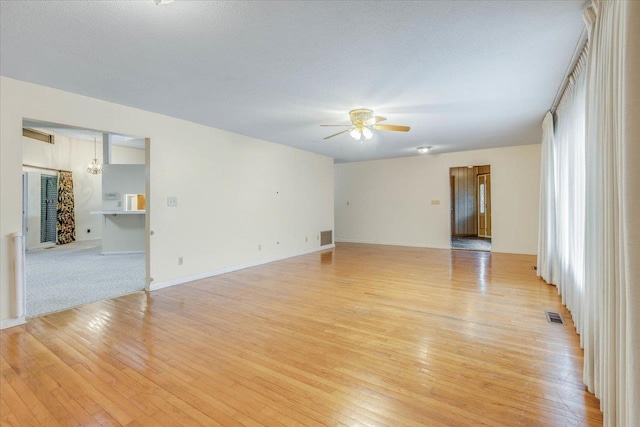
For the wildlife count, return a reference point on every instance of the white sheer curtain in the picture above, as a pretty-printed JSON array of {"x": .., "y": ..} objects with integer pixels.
[
  {"x": 631, "y": 211},
  {"x": 570, "y": 192},
  {"x": 595, "y": 169},
  {"x": 562, "y": 183},
  {"x": 562, "y": 200},
  {"x": 611, "y": 339},
  {"x": 547, "y": 260}
]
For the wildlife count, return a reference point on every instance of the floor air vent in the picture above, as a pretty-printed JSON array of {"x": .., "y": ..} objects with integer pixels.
[
  {"x": 326, "y": 237},
  {"x": 553, "y": 317}
]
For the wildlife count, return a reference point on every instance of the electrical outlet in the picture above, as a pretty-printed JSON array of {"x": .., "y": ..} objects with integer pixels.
[
  {"x": 306, "y": 239},
  {"x": 172, "y": 201},
  {"x": 259, "y": 247},
  {"x": 180, "y": 260}
]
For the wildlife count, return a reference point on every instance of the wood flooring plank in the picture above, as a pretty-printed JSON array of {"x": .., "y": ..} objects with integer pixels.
[
  {"x": 17, "y": 406},
  {"x": 40, "y": 412},
  {"x": 10, "y": 420},
  {"x": 358, "y": 335}
]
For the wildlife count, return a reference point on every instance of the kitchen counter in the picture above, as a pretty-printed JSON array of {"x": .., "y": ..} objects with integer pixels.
[{"x": 122, "y": 231}]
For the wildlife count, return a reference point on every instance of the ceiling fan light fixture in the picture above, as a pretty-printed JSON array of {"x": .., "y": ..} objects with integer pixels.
[
  {"x": 363, "y": 123},
  {"x": 423, "y": 150}
]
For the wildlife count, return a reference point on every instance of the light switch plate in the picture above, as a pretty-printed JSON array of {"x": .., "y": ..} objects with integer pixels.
[
  {"x": 172, "y": 201},
  {"x": 435, "y": 202}
]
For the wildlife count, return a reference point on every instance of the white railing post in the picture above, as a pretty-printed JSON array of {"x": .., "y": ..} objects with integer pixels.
[{"x": 18, "y": 259}]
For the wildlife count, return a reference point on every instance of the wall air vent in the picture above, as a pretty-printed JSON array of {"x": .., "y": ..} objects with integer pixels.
[
  {"x": 40, "y": 136},
  {"x": 553, "y": 317},
  {"x": 326, "y": 237}
]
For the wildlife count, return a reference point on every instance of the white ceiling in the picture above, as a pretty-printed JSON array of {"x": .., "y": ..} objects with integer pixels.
[{"x": 462, "y": 74}]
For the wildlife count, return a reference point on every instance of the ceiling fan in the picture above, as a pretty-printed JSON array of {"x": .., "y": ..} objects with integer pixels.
[{"x": 362, "y": 122}]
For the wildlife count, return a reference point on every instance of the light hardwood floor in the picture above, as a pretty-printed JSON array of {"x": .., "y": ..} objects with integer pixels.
[{"x": 361, "y": 335}]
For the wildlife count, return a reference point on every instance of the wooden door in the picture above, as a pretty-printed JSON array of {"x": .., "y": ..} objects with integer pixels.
[
  {"x": 484, "y": 205},
  {"x": 463, "y": 184}
]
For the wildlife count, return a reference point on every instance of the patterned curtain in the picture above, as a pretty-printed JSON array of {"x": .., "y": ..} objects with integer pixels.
[{"x": 66, "y": 210}]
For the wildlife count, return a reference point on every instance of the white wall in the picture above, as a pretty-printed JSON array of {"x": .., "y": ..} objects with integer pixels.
[
  {"x": 390, "y": 200},
  {"x": 121, "y": 179},
  {"x": 234, "y": 192},
  {"x": 74, "y": 155},
  {"x": 123, "y": 155}
]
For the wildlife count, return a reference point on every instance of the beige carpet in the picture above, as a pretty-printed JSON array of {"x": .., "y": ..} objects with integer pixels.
[{"x": 77, "y": 273}]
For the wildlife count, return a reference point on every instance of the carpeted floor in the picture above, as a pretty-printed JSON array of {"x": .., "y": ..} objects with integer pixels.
[
  {"x": 77, "y": 273},
  {"x": 471, "y": 243}
]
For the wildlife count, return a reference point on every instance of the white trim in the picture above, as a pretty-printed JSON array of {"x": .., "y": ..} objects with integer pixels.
[
  {"x": 122, "y": 252},
  {"x": 414, "y": 245},
  {"x": 199, "y": 276},
  {"x": 377, "y": 242},
  {"x": 40, "y": 246},
  {"x": 512, "y": 252},
  {"x": 10, "y": 323}
]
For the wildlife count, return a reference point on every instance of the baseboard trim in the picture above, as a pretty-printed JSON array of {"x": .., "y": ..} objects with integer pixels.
[
  {"x": 122, "y": 252},
  {"x": 181, "y": 280},
  {"x": 493, "y": 251},
  {"x": 386, "y": 243},
  {"x": 413, "y": 245},
  {"x": 10, "y": 323}
]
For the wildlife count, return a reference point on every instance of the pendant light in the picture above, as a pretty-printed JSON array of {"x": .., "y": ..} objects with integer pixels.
[{"x": 94, "y": 167}]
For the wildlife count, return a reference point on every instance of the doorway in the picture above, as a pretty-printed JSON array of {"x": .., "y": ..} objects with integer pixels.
[
  {"x": 83, "y": 241},
  {"x": 471, "y": 207}
]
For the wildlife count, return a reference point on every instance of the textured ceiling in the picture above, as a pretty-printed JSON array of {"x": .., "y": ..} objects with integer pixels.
[{"x": 464, "y": 75}]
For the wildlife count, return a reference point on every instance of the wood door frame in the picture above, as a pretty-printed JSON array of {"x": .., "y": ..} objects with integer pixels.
[
  {"x": 452, "y": 209},
  {"x": 487, "y": 183}
]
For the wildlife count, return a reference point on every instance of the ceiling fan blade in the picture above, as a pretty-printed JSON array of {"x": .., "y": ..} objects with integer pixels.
[
  {"x": 392, "y": 127},
  {"x": 378, "y": 119},
  {"x": 337, "y": 125},
  {"x": 336, "y": 134}
]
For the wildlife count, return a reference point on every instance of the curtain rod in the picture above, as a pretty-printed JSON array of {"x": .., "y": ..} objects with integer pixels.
[
  {"x": 582, "y": 43},
  {"x": 43, "y": 168}
]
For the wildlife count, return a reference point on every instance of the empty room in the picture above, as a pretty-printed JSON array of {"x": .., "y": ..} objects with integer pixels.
[{"x": 320, "y": 213}]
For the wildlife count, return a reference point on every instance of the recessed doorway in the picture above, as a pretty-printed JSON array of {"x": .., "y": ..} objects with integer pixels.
[
  {"x": 85, "y": 238},
  {"x": 471, "y": 207}
]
